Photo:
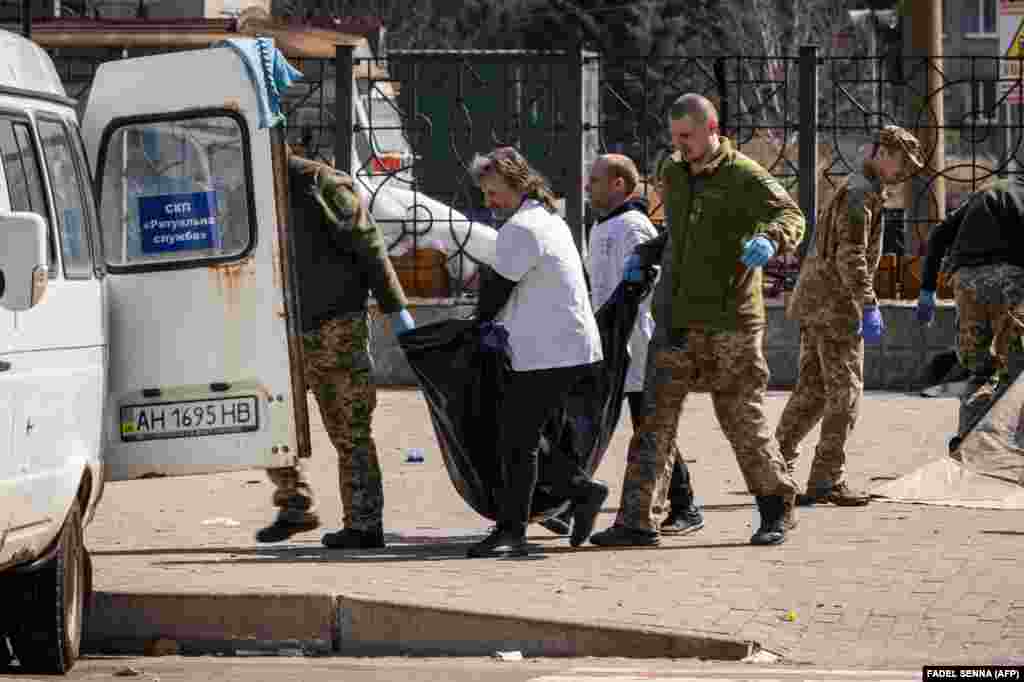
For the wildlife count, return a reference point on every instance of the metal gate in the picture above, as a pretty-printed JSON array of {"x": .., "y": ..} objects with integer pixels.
[{"x": 804, "y": 117}]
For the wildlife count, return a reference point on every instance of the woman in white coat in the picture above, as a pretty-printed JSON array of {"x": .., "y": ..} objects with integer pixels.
[{"x": 553, "y": 341}]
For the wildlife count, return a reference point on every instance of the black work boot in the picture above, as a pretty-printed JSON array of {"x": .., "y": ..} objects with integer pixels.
[
  {"x": 503, "y": 541},
  {"x": 773, "y": 511},
  {"x": 350, "y": 538},
  {"x": 585, "y": 512},
  {"x": 288, "y": 523},
  {"x": 688, "y": 520}
]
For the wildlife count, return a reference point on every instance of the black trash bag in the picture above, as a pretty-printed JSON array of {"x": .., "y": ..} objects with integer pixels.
[{"x": 462, "y": 382}]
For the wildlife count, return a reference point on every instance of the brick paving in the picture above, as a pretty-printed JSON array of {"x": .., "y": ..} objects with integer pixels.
[{"x": 888, "y": 584}]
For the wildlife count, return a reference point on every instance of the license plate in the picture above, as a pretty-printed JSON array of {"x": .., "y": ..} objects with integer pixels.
[{"x": 189, "y": 419}]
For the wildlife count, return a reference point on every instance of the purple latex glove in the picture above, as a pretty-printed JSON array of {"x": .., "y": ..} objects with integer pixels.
[
  {"x": 872, "y": 326},
  {"x": 493, "y": 336}
]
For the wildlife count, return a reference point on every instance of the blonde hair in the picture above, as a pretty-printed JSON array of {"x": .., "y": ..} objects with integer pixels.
[{"x": 508, "y": 164}]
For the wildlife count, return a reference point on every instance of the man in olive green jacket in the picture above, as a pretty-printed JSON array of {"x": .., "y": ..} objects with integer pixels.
[{"x": 726, "y": 217}]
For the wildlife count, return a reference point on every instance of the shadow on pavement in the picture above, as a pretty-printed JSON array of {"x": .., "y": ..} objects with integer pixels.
[{"x": 441, "y": 551}]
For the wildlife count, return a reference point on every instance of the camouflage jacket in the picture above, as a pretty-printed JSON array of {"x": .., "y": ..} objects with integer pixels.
[
  {"x": 340, "y": 255},
  {"x": 837, "y": 275}
]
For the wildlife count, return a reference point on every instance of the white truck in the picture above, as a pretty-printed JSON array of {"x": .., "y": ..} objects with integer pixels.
[{"x": 147, "y": 322}]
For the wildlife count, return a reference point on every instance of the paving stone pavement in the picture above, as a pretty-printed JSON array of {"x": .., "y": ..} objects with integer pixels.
[{"x": 884, "y": 585}]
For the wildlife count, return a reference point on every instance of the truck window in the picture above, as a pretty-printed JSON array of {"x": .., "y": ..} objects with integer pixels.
[
  {"x": 69, "y": 200},
  {"x": 176, "y": 193},
  {"x": 24, "y": 180}
]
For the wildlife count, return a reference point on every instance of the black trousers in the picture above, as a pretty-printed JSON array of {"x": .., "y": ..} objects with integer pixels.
[
  {"x": 528, "y": 401},
  {"x": 680, "y": 489}
]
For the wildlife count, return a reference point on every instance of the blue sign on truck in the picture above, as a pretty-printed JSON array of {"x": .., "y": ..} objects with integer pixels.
[{"x": 178, "y": 222}]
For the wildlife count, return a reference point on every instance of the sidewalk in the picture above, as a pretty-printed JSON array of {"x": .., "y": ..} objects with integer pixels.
[{"x": 885, "y": 585}]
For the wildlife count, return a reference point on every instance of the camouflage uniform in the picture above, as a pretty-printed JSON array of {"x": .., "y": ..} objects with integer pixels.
[
  {"x": 336, "y": 337},
  {"x": 981, "y": 244},
  {"x": 716, "y": 348},
  {"x": 729, "y": 364},
  {"x": 990, "y": 304},
  {"x": 836, "y": 282}
]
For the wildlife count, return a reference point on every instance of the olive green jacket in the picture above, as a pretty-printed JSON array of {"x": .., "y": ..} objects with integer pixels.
[{"x": 710, "y": 216}]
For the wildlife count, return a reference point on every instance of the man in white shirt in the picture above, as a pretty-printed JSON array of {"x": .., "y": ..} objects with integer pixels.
[{"x": 623, "y": 224}]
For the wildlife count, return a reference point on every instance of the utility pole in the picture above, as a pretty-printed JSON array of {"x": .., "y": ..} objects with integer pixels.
[{"x": 925, "y": 197}]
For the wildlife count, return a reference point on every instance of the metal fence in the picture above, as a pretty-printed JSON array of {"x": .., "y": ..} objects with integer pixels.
[{"x": 419, "y": 116}]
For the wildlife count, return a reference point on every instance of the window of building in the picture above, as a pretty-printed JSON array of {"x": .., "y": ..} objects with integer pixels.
[
  {"x": 980, "y": 109},
  {"x": 980, "y": 18}
]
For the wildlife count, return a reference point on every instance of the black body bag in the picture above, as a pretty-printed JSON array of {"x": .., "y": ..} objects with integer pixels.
[{"x": 462, "y": 382}]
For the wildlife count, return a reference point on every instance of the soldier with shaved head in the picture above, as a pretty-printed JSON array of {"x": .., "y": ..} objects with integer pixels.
[
  {"x": 726, "y": 216},
  {"x": 621, "y": 226}
]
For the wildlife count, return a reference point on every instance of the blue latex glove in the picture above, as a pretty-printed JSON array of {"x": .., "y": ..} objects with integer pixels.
[
  {"x": 872, "y": 326},
  {"x": 925, "y": 311},
  {"x": 402, "y": 322},
  {"x": 635, "y": 271},
  {"x": 757, "y": 252}
]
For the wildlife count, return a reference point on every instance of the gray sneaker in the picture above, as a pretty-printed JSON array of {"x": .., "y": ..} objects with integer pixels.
[
  {"x": 683, "y": 523},
  {"x": 620, "y": 536}
]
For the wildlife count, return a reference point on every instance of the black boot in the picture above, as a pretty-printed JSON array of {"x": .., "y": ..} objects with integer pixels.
[
  {"x": 585, "y": 511},
  {"x": 350, "y": 538},
  {"x": 773, "y": 512},
  {"x": 288, "y": 523},
  {"x": 503, "y": 541}
]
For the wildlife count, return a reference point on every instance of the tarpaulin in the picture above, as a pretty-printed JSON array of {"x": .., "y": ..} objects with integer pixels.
[
  {"x": 988, "y": 471},
  {"x": 462, "y": 381}
]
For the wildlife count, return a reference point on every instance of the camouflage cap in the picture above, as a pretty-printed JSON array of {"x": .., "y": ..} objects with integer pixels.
[{"x": 894, "y": 136}]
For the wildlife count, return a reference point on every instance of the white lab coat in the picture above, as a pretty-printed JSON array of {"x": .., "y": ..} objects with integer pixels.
[{"x": 610, "y": 243}]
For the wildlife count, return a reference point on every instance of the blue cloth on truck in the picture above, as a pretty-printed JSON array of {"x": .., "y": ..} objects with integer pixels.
[{"x": 261, "y": 58}]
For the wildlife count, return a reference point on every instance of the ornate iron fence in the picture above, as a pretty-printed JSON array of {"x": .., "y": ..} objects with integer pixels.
[{"x": 417, "y": 117}]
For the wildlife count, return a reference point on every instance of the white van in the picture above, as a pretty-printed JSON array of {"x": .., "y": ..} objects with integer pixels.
[
  {"x": 151, "y": 332},
  {"x": 53, "y": 360}
]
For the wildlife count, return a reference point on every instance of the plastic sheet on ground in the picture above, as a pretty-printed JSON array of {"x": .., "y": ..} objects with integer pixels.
[
  {"x": 990, "y": 474},
  {"x": 462, "y": 383}
]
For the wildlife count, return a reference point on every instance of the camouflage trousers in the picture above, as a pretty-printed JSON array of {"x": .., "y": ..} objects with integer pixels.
[
  {"x": 339, "y": 372},
  {"x": 990, "y": 309},
  {"x": 829, "y": 389},
  {"x": 731, "y": 365}
]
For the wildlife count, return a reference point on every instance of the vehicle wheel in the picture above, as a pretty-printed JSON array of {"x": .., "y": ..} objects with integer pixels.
[{"x": 50, "y": 635}]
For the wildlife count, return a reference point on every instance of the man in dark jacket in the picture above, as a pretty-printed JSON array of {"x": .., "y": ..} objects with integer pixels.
[
  {"x": 983, "y": 245},
  {"x": 340, "y": 256},
  {"x": 726, "y": 217}
]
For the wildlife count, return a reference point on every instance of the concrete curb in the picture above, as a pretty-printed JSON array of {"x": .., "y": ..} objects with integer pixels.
[{"x": 130, "y": 623}]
